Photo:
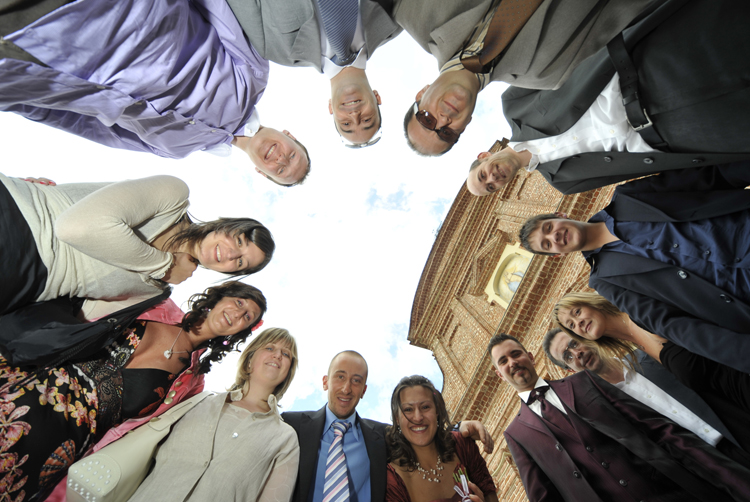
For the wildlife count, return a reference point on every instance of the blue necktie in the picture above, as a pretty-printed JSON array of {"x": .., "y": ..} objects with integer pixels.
[
  {"x": 340, "y": 23},
  {"x": 336, "y": 480}
]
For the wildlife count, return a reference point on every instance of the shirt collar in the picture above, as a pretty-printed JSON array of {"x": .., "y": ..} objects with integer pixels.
[
  {"x": 330, "y": 69},
  {"x": 352, "y": 419},
  {"x": 525, "y": 394}
]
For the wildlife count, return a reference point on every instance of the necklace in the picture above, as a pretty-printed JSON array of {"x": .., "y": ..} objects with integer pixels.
[
  {"x": 432, "y": 472},
  {"x": 168, "y": 353}
]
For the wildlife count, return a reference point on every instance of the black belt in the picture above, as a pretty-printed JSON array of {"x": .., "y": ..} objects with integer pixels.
[{"x": 636, "y": 112}]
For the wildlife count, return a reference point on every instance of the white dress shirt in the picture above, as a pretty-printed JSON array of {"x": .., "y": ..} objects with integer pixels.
[
  {"x": 644, "y": 390},
  {"x": 602, "y": 128},
  {"x": 549, "y": 395},
  {"x": 330, "y": 69}
]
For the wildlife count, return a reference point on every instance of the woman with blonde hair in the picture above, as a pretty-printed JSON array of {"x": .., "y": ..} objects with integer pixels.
[
  {"x": 589, "y": 316},
  {"x": 234, "y": 445}
]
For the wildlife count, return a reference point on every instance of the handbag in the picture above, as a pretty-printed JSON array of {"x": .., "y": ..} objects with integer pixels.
[{"x": 116, "y": 471}]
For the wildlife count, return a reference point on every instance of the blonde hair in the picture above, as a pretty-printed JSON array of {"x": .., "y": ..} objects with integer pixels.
[
  {"x": 270, "y": 335},
  {"x": 609, "y": 348}
]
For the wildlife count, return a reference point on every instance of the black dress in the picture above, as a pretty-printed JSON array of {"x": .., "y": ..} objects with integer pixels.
[{"x": 50, "y": 421}]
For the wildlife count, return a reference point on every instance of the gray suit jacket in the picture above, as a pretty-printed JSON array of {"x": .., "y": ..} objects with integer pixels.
[
  {"x": 287, "y": 32},
  {"x": 557, "y": 37}
]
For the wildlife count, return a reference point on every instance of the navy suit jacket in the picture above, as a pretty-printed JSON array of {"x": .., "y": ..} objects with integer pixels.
[
  {"x": 548, "y": 471},
  {"x": 309, "y": 426}
]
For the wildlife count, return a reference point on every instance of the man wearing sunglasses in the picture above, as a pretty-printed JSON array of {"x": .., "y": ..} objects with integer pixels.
[{"x": 336, "y": 37}]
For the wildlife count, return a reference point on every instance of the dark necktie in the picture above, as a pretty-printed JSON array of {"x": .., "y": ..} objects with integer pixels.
[
  {"x": 549, "y": 412},
  {"x": 339, "y": 23},
  {"x": 510, "y": 16}
]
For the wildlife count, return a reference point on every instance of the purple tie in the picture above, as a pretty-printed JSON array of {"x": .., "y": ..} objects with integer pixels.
[
  {"x": 336, "y": 480},
  {"x": 549, "y": 412}
]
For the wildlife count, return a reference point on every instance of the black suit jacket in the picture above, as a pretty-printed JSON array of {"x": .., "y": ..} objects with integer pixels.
[
  {"x": 700, "y": 111},
  {"x": 309, "y": 426},
  {"x": 664, "y": 299},
  {"x": 547, "y": 470}
]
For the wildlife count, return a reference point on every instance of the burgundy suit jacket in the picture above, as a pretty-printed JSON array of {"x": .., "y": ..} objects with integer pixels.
[{"x": 547, "y": 469}]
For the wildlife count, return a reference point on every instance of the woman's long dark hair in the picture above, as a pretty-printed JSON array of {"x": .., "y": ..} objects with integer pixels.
[
  {"x": 201, "y": 303},
  {"x": 399, "y": 449},
  {"x": 253, "y": 230}
]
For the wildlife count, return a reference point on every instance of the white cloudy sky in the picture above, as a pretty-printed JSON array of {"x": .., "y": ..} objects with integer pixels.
[{"x": 351, "y": 242}]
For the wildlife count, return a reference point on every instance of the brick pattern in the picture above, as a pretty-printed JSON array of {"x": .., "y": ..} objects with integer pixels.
[{"x": 452, "y": 317}]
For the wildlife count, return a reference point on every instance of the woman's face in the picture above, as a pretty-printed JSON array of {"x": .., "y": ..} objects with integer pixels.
[
  {"x": 270, "y": 364},
  {"x": 229, "y": 316},
  {"x": 584, "y": 321},
  {"x": 224, "y": 253},
  {"x": 418, "y": 415}
]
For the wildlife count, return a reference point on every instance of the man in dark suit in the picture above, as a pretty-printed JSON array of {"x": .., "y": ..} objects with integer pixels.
[
  {"x": 671, "y": 251},
  {"x": 557, "y": 37},
  {"x": 582, "y": 439},
  {"x": 289, "y": 33},
  {"x": 363, "y": 442},
  {"x": 686, "y": 98}
]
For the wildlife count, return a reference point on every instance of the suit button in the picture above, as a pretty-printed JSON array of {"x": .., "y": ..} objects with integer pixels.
[
  {"x": 682, "y": 274},
  {"x": 576, "y": 474},
  {"x": 675, "y": 245},
  {"x": 706, "y": 252},
  {"x": 607, "y": 159},
  {"x": 605, "y": 465},
  {"x": 588, "y": 448},
  {"x": 558, "y": 446},
  {"x": 726, "y": 298},
  {"x": 623, "y": 482},
  {"x": 648, "y": 160},
  {"x": 697, "y": 160}
]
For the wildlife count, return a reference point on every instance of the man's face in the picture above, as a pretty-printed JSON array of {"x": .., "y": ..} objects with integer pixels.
[
  {"x": 278, "y": 156},
  {"x": 577, "y": 356},
  {"x": 355, "y": 112},
  {"x": 346, "y": 383},
  {"x": 558, "y": 236},
  {"x": 514, "y": 365},
  {"x": 491, "y": 175},
  {"x": 451, "y": 103}
]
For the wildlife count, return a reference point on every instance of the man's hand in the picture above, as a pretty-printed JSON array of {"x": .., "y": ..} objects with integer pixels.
[
  {"x": 476, "y": 431},
  {"x": 182, "y": 268},
  {"x": 41, "y": 181}
]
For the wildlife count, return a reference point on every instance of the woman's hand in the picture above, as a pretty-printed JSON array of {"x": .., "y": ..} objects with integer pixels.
[
  {"x": 476, "y": 494},
  {"x": 41, "y": 181},
  {"x": 183, "y": 266}
]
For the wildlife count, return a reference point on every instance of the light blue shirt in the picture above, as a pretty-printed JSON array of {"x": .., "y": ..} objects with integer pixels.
[{"x": 357, "y": 461}]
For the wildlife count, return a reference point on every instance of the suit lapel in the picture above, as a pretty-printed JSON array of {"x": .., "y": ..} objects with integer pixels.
[
  {"x": 375, "y": 444},
  {"x": 306, "y": 46},
  {"x": 311, "y": 430}
]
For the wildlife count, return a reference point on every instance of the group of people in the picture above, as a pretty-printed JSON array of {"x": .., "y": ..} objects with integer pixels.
[{"x": 601, "y": 92}]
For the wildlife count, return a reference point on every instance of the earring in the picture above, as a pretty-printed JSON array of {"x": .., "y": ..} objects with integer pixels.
[{"x": 206, "y": 310}]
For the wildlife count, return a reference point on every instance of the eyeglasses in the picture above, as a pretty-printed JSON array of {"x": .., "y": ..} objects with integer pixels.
[{"x": 429, "y": 122}]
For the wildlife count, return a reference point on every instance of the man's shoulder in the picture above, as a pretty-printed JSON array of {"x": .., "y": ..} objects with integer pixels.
[
  {"x": 374, "y": 424},
  {"x": 296, "y": 418}
]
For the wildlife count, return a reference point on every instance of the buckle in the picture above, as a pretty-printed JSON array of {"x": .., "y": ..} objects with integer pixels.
[{"x": 642, "y": 126}]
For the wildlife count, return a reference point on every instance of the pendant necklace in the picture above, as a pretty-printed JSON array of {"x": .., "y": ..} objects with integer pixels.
[
  {"x": 168, "y": 353},
  {"x": 426, "y": 473}
]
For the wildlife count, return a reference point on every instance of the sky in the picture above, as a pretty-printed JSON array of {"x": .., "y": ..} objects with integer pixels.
[{"x": 351, "y": 242}]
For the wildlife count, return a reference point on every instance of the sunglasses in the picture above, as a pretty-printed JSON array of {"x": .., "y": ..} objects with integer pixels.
[{"x": 429, "y": 122}]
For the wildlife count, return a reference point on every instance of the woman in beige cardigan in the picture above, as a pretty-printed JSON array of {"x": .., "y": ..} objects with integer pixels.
[{"x": 234, "y": 446}]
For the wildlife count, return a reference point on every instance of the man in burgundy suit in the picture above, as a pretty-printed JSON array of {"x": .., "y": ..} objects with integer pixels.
[{"x": 581, "y": 439}]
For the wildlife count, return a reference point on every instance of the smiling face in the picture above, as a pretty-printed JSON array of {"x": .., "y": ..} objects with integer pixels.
[
  {"x": 270, "y": 363},
  {"x": 514, "y": 365},
  {"x": 355, "y": 112},
  {"x": 229, "y": 316},
  {"x": 493, "y": 173},
  {"x": 224, "y": 253},
  {"x": 574, "y": 354},
  {"x": 418, "y": 416},
  {"x": 558, "y": 236},
  {"x": 450, "y": 99},
  {"x": 346, "y": 383},
  {"x": 584, "y": 321},
  {"x": 278, "y": 156}
]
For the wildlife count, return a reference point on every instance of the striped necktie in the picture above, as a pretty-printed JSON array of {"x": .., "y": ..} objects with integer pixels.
[
  {"x": 336, "y": 480},
  {"x": 339, "y": 23}
]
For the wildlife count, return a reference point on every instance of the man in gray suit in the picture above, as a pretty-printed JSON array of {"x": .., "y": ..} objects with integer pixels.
[
  {"x": 556, "y": 38},
  {"x": 291, "y": 33}
]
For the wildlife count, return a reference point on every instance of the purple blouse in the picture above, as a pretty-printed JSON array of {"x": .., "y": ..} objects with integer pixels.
[{"x": 163, "y": 76}]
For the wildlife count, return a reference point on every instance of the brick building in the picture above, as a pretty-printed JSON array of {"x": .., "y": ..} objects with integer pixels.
[{"x": 478, "y": 282}]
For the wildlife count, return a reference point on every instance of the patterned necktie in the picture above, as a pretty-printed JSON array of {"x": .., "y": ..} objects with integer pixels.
[
  {"x": 549, "y": 412},
  {"x": 336, "y": 480},
  {"x": 340, "y": 23}
]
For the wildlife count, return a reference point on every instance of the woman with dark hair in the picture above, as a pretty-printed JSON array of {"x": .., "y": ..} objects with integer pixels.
[
  {"x": 52, "y": 413},
  {"x": 234, "y": 446},
  {"x": 113, "y": 241},
  {"x": 424, "y": 454},
  {"x": 589, "y": 316}
]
